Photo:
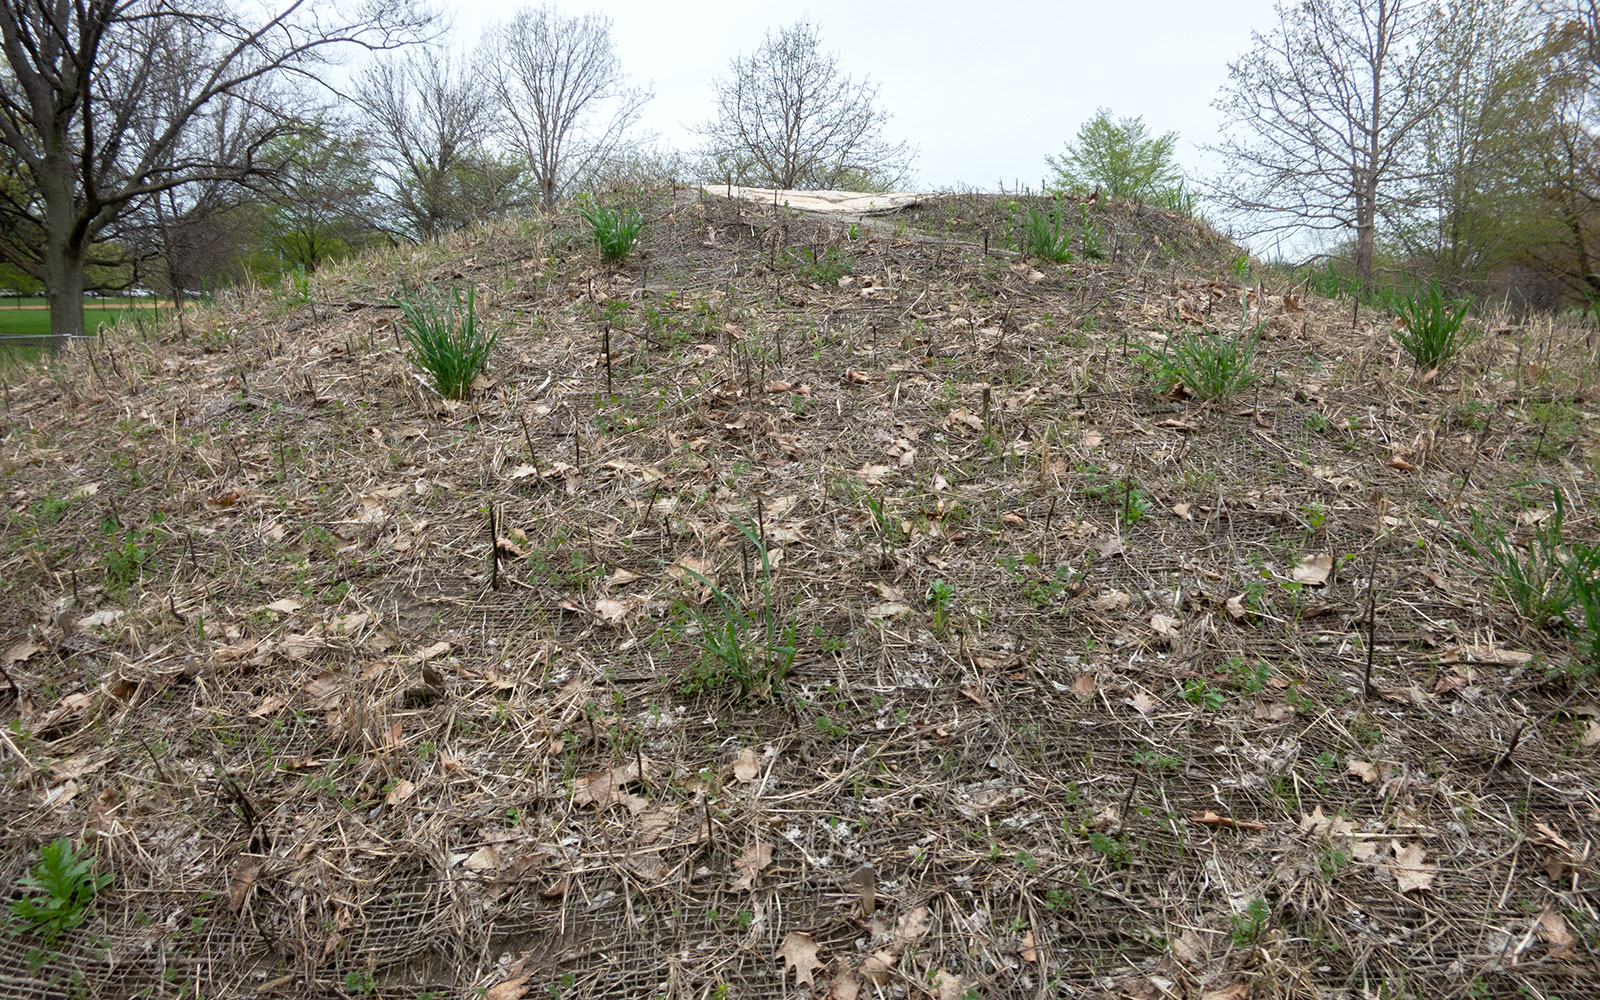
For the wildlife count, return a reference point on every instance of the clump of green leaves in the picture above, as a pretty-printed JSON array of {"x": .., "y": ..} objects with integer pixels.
[
  {"x": 1583, "y": 611},
  {"x": 1110, "y": 847},
  {"x": 128, "y": 554},
  {"x": 1249, "y": 925},
  {"x": 615, "y": 230},
  {"x": 940, "y": 597},
  {"x": 1548, "y": 578},
  {"x": 1044, "y": 236},
  {"x": 1433, "y": 333},
  {"x": 823, "y": 269},
  {"x": 1530, "y": 577},
  {"x": 1212, "y": 366},
  {"x": 1198, "y": 691},
  {"x": 64, "y": 885},
  {"x": 446, "y": 338},
  {"x": 754, "y": 650},
  {"x": 1092, "y": 235}
]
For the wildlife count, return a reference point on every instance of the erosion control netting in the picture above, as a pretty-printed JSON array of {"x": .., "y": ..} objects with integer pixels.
[{"x": 1079, "y": 701}]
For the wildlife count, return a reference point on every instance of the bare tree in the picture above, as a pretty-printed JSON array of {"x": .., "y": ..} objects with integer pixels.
[
  {"x": 102, "y": 101},
  {"x": 563, "y": 93},
  {"x": 1324, "y": 116},
  {"x": 428, "y": 116},
  {"x": 787, "y": 118}
]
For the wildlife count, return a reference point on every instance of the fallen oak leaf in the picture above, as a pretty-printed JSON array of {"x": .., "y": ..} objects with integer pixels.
[
  {"x": 1410, "y": 870},
  {"x": 875, "y": 969},
  {"x": 912, "y": 927},
  {"x": 1368, "y": 774},
  {"x": 755, "y": 857},
  {"x": 745, "y": 766},
  {"x": 603, "y": 789},
  {"x": 1028, "y": 952},
  {"x": 1553, "y": 929},
  {"x": 1313, "y": 570},
  {"x": 798, "y": 952}
]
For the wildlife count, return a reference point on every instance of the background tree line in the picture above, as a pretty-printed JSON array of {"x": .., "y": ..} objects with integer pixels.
[{"x": 185, "y": 146}]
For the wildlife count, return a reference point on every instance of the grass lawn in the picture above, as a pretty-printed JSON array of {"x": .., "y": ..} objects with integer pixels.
[{"x": 24, "y": 321}]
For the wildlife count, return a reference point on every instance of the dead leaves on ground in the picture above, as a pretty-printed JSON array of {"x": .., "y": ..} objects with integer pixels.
[
  {"x": 798, "y": 953},
  {"x": 801, "y": 955}
]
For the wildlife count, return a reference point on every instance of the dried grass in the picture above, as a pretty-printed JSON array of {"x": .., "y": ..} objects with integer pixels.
[{"x": 394, "y": 701}]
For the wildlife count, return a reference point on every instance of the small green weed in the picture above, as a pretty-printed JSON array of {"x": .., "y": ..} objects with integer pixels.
[
  {"x": 49, "y": 508},
  {"x": 825, "y": 269},
  {"x": 1110, "y": 847},
  {"x": 1249, "y": 925},
  {"x": 1433, "y": 334},
  {"x": 1531, "y": 577},
  {"x": 754, "y": 651},
  {"x": 1212, "y": 366},
  {"x": 1044, "y": 236},
  {"x": 1197, "y": 691},
  {"x": 65, "y": 885},
  {"x": 615, "y": 231},
  {"x": 940, "y": 597},
  {"x": 446, "y": 339},
  {"x": 1583, "y": 610},
  {"x": 127, "y": 556},
  {"x": 1092, "y": 236},
  {"x": 1249, "y": 678},
  {"x": 300, "y": 284}
]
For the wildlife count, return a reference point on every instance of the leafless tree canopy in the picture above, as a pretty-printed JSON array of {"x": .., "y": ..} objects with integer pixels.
[
  {"x": 563, "y": 95},
  {"x": 105, "y": 104},
  {"x": 787, "y": 117},
  {"x": 427, "y": 116},
  {"x": 1323, "y": 118}
]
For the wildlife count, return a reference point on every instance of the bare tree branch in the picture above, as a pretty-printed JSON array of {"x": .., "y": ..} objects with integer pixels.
[{"x": 787, "y": 118}]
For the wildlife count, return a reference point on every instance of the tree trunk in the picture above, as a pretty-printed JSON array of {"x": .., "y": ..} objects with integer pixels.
[{"x": 63, "y": 285}]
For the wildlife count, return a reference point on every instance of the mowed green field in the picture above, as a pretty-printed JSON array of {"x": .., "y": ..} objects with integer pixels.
[{"x": 27, "y": 318}]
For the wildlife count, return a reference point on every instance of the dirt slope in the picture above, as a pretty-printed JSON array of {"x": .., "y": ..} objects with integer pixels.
[{"x": 1079, "y": 699}]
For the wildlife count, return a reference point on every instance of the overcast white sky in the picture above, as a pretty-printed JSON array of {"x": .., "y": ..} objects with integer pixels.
[{"x": 984, "y": 89}]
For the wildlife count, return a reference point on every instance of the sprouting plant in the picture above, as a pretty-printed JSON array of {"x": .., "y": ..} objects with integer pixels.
[
  {"x": 615, "y": 231},
  {"x": 1583, "y": 610},
  {"x": 1432, "y": 334},
  {"x": 1135, "y": 505},
  {"x": 301, "y": 284},
  {"x": 1531, "y": 577},
  {"x": 126, "y": 559},
  {"x": 1196, "y": 691},
  {"x": 754, "y": 651},
  {"x": 446, "y": 339},
  {"x": 825, "y": 268},
  {"x": 1250, "y": 678},
  {"x": 1212, "y": 366},
  {"x": 64, "y": 884},
  {"x": 1110, "y": 847},
  {"x": 940, "y": 596},
  {"x": 1248, "y": 926},
  {"x": 1044, "y": 237}
]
